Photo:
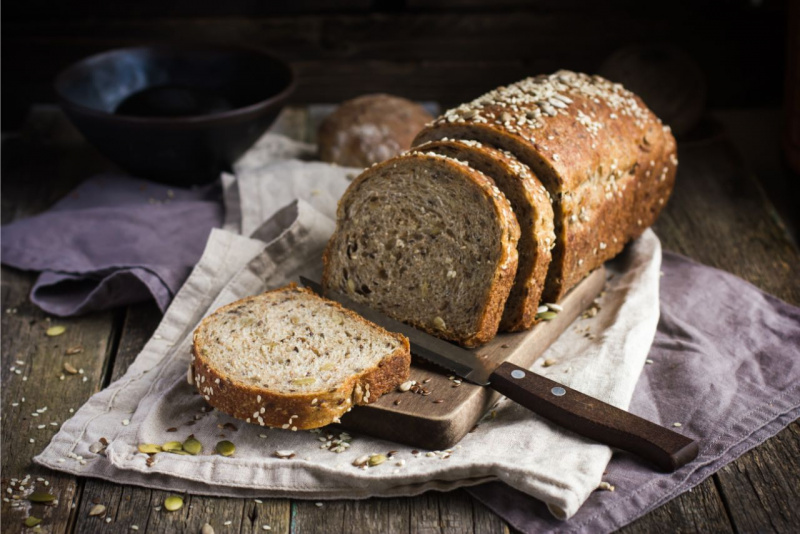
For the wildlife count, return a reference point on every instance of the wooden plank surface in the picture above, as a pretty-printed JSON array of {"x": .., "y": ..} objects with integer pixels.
[
  {"x": 449, "y": 55},
  {"x": 718, "y": 215}
]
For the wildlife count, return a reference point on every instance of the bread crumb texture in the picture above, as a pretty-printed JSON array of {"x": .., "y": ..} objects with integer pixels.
[{"x": 290, "y": 359}]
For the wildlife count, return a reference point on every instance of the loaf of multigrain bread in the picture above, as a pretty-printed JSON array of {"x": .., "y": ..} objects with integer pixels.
[
  {"x": 531, "y": 204},
  {"x": 607, "y": 161},
  {"x": 427, "y": 240},
  {"x": 290, "y": 359}
]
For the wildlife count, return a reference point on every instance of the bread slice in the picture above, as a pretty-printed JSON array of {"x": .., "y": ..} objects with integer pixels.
[
  {"x": 531, "y": 204},
  {"x": 291, "y": 359},
  {"x": 429, "y": 241}
]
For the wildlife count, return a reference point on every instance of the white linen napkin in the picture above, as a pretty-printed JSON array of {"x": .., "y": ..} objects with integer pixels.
[{"x": 286, "y": 207}]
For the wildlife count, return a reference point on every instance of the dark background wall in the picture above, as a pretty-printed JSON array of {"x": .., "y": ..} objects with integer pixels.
[{"x": 444, "y": 50}]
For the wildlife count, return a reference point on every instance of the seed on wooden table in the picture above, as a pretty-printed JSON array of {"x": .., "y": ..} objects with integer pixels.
[
  {"x": 438, "y": 401},
  {"x": 548, "y": 362},
  {"x": 32, "y": 521},
  {"x": 207, "y": 529},
  {"x": 546, "y": 316},
  {"x": 225, "y": 448},
  {"x": 405, "y": 386},
  {"x": 73, "y": 350},
  {"x": 192, "y": 446},
  {"x": 555, "y": 307},
  {"x": 173, "y": 503},
  {"x": 57, "y": 330},
  {"x": 97, "y": 509},
  {"x": 41, "y": 497},
  {"x": 68, "y": 367}
]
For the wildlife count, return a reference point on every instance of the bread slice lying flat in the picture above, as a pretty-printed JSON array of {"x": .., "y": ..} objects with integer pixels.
[
  {"x": 290, "y": 359},
  {"x": 429, "y": 241},
  {"x": 531, "y": 204}
]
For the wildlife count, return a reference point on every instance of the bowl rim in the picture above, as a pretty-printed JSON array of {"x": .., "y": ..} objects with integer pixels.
[{"x": 190, "y": 120}]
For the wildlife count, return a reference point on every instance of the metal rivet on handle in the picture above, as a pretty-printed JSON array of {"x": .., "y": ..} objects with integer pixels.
[
  {"x": 558, "y": 391},
  {"x": 516, "y": 373}
]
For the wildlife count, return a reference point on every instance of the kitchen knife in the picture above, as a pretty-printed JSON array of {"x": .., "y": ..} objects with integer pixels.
[{"x": 565, "y": 407}]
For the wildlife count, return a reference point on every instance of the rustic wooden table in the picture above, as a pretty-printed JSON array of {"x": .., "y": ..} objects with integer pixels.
[{"x": 718, "y": 215}]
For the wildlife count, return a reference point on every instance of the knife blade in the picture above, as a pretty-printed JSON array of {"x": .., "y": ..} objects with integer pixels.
[{"x": 566, "y": 407}]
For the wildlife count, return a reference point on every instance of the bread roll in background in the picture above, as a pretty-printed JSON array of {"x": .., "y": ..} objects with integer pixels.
[{"x": 370, "y": 129}]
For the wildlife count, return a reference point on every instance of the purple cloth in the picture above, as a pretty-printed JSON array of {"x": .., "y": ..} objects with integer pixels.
[
  {"x": 726, "y": 365},
  {"x": 113, "y": 241}
]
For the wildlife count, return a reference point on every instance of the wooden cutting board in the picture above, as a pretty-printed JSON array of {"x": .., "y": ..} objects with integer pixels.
[{"x": 440, "y": 417}]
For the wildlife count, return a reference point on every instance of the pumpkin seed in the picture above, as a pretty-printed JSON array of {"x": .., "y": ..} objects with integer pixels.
[
  {"x": 97, "y": 509},
  {"x": 172, "y": 446},
  {"x": 149, "y": 448},
  {"x": 41, "y": 496},
  {"x": 68, "y": 367},
  {"x": 547, "y": 316},
  {"x": 57, "y": 330},
  {"x": 376, "y": 459},
  {"x": 32, "y": 521},
  {"x": 207, "y": 529},
  {"x": 225, "y": 448},
  {"x": 192, "y": 446},
  {"x": 173, "y": 503},
  {"x": 180, "y": 453}
]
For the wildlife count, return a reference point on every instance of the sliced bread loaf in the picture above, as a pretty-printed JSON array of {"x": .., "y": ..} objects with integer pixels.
[
  {"x": 429, "y": 241},
  {"x": 606, "y": 159},
  {"x": 531, "y": 204},
  {"x": 290, "y": 359}
]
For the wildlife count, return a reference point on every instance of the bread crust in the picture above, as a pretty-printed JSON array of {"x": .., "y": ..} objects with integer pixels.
[
  {"x": 606, "y": 159},
  {"x": 296, "y": 411},
  {"x": 370, "y": 129},
  {"x": 491, "y": 310},
  {"x": 531, "y": 204}
]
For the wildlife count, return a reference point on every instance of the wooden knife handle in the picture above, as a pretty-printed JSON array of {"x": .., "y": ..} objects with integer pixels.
[{"x": 593, "y": 418}]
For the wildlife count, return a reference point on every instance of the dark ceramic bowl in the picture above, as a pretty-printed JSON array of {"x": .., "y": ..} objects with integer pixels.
[{"x": 175, "y": 114}]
